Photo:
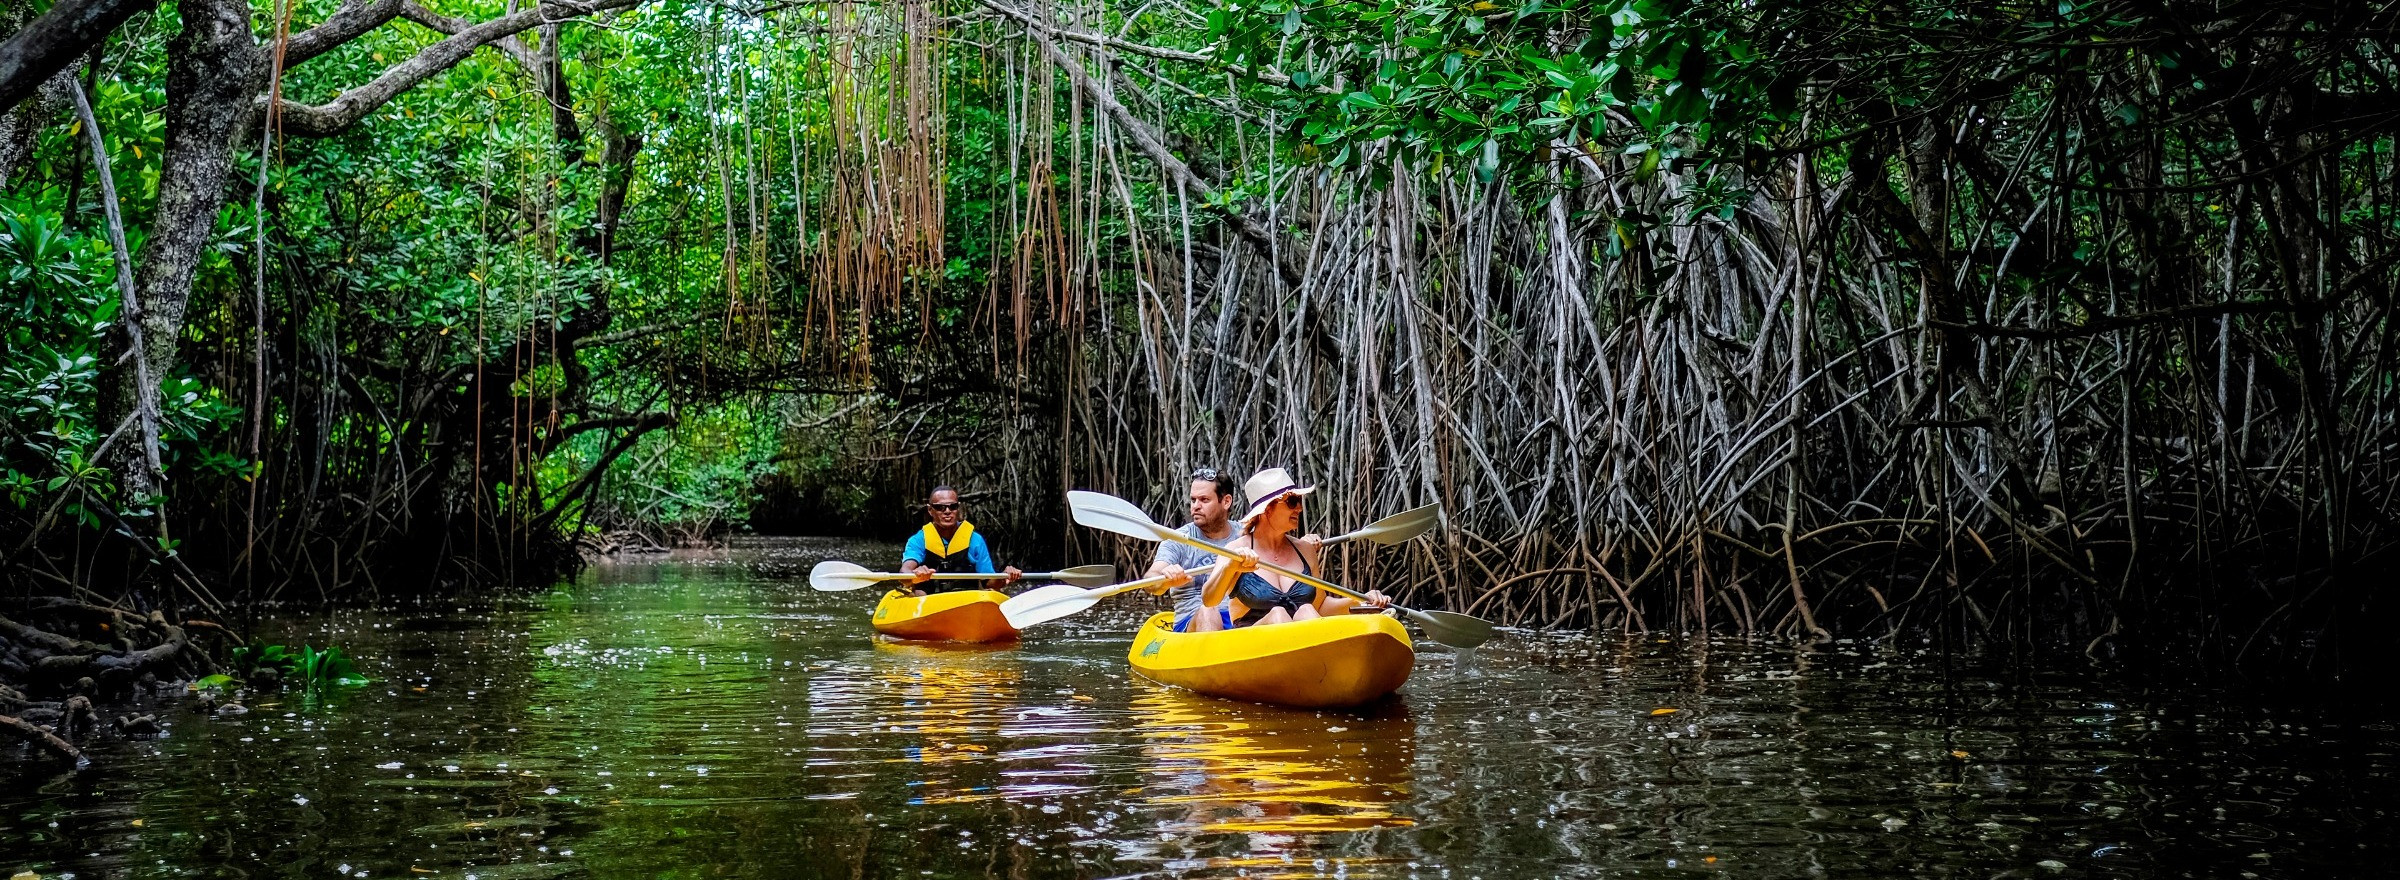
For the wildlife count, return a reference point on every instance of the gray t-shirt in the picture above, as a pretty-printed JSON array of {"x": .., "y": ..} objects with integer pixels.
[{"x": 1187, "y": 597}]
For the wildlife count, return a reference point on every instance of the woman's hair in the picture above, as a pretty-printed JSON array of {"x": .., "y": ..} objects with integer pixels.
[{"x": 1251, "y": 527}]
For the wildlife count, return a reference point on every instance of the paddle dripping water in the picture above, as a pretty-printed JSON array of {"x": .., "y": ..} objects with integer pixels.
[{"x": 713, "y": 715}]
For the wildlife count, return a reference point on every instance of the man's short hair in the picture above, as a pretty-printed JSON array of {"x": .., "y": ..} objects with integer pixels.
[
  {"x": 937, "y": 490},
  {"x": 1214, "y": 477}
]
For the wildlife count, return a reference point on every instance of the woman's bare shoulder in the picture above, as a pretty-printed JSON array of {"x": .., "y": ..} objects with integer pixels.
[{"x": 1314, "y": 553}]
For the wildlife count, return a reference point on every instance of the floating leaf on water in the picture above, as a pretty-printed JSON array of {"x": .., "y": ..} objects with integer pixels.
[
  {"x": 1080, "y": 698},
  {"x": 1961, "y": 755},
  {"x": 29, "y": 875},
  {"x": 1657, "y": 712},
  {"x": 2052, "y": 864}
]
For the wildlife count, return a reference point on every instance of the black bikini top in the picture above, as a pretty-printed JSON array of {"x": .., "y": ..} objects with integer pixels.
[{"x": 1259, "y": 596}]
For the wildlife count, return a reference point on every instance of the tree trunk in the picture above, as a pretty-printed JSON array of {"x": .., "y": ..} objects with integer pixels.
[{"x": 212, "y": 77}]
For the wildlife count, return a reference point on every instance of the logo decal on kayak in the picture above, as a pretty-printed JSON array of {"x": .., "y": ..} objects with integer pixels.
[
  {"x": 1151, "y": 650},
  {"x": 881, "y": 613}
]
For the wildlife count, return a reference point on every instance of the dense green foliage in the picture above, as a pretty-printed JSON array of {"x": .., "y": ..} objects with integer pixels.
[{"x": 1484, "y": 85}]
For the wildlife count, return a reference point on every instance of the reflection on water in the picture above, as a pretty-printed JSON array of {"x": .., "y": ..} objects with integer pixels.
[
  {"x": 711, "y": 715},
  {"x": 1269, "y": 772}
]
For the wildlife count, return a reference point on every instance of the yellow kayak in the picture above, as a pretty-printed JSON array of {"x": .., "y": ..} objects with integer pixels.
[
  {"x": 962, "y": 616},
  {"x": 1321, "y": 663}
]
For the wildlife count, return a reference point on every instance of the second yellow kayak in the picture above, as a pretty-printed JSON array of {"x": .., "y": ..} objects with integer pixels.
[
  {"x": 1323, "y": 663},
  {"x": 962, "y": 616}
]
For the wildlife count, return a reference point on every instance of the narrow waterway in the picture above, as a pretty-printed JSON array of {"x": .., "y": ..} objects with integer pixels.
[{"x": 709, "y": 715}]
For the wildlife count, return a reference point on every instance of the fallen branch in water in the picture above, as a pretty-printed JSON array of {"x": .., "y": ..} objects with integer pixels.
[{"x": 49, "y": 742}]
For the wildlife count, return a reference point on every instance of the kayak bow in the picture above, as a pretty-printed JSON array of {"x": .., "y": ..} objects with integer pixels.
[{"x": 962, "y": 616}]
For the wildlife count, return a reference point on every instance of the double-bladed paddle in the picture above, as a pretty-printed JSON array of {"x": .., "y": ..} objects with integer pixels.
[
  {"x": 834, "y": 575},
  {"x": 1110, "y": 513},
  {"x": 1045, "y": 604}
]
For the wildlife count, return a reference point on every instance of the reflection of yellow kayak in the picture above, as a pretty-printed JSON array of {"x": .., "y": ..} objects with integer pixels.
[
  {"x": 963, "y": 616},
  {"x": 1321, "y": 663},
  {"x": 1226, "y": 768}
]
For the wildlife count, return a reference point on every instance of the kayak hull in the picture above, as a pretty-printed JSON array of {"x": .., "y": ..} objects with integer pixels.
[
  {"x": 962, "y": 616},
  {"x": 1328, "y": 662}
]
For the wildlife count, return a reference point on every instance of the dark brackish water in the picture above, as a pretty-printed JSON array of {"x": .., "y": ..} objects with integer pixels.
[{"x": 711, "y": 716}]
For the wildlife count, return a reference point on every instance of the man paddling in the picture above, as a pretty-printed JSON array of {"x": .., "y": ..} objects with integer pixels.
[
  {"x": 949, "y": 545},
  {"x": 1212, "y": 512}
]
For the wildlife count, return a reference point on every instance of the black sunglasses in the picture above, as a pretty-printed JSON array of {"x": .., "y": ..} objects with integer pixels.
[{"x": 950, "y": 506}]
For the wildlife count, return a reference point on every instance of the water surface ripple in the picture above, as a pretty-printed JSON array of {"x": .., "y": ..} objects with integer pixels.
[{"x": 711, "y": 716}]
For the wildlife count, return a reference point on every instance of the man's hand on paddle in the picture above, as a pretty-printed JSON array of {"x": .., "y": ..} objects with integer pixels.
[
  {"x": 1174, "y": 576},
  {"x": 1014, "y": 575}
]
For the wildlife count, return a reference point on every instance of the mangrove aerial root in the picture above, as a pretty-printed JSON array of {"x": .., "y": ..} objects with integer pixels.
[
  {"x": 60, "y": 648},
  {"x": 49, "y": 742},
  {"x": 137, "y": 725},
  {"x": 58, "y": 655}
]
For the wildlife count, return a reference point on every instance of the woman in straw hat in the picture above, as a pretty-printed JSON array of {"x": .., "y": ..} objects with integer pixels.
[{"x": 1252, "y": 597}]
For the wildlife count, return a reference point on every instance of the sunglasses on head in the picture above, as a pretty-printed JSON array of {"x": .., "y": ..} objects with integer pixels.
[
  {"x": 1206, "y": 473},
  {"x": 949, "y": 506}
]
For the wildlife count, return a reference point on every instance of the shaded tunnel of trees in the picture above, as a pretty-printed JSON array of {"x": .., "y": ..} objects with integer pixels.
[{"x": 2027, "y": 325}]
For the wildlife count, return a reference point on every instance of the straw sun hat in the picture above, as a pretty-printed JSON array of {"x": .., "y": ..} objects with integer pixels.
[{"x": 1265, "y": 486}]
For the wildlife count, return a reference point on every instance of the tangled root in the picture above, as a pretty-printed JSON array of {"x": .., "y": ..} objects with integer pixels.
[{"x": 57, "y": 655}]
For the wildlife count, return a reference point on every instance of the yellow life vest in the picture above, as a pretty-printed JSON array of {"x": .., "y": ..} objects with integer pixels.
[{"x": 949, "y": 557}]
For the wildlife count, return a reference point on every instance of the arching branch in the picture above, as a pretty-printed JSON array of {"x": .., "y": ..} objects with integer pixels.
[
  {"x": 353, "y": 20},
  {"x": 51, "y": 42},
  {"x": 543, "y": 67},
  {"x": 347, "y": 108}
]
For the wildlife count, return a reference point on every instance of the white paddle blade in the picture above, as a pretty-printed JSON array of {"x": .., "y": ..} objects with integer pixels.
[
  {"x": 1403, "y": 526},
  {"x": 1045, "y": 604},
  {"x": 834, "y": 575},
  {"x": 1109, "y": 513}
]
